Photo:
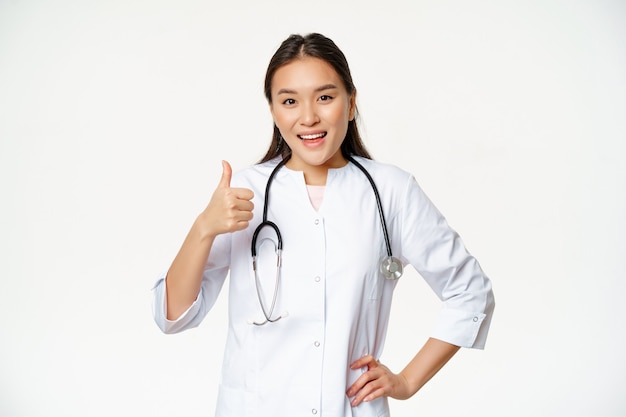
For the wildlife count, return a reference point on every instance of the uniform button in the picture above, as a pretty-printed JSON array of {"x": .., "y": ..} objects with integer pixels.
[
  {"x": 475, "y": 319},
  {"x": 317, "y": 279},
  {"x": 317, "y": 343},
  {"x": 317, "y": 221},
  {"x": 314, "y": 411}
]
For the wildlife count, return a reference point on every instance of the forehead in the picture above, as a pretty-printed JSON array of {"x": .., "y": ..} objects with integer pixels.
[{"x": 303, "y": 74}]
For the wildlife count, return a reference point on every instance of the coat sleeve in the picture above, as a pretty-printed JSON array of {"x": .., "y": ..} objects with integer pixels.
[
  {"x": 215, "y": 271},
  {"x": 437, "y": 252}
]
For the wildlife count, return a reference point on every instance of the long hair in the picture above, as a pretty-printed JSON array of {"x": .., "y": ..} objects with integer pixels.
[{"x": 316, "y": 46}]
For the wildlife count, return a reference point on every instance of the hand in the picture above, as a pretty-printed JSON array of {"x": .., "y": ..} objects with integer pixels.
[
  {"x": 377, "y": 381},
  {"x": 229, "y": 210}
]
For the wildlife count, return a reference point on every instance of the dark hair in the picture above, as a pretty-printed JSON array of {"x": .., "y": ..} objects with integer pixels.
[{"x": 316, "y": 46}]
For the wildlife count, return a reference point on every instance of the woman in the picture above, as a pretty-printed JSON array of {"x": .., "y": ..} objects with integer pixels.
[{"x": 306, "y": 331}]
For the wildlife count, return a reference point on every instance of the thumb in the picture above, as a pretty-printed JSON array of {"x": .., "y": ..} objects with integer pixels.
[{"x": 227, "y": 173}]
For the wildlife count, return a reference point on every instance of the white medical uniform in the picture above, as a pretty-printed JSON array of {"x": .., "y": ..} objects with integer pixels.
[{"x": 337, "y": 301}]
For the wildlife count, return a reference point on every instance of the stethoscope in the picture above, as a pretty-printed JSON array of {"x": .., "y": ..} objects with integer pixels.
[{"x": 390, "y": 266}]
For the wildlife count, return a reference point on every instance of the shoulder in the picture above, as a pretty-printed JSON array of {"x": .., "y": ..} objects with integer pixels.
[
  {"x": 385, "y": 173},
  {"x": 396, "y": 185},
  {"x": 254, "y": 173}
]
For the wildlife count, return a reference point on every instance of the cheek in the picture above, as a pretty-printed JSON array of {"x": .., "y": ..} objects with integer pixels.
[
  {"x": 337, "y": 116},
  {"x": 282, "y": 119}
]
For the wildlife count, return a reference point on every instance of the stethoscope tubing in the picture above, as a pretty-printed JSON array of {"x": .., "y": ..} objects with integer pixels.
[
  {"x": 266, "y": 204},
  {"x": 378, "y": 203},
  {"x": 390, "y": 267}
]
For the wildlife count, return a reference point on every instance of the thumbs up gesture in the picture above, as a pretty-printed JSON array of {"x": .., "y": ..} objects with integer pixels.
[{"x": 230, "y": 209}]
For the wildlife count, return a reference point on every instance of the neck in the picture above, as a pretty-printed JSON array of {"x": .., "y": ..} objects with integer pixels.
[{"x": 316, "y": 174}]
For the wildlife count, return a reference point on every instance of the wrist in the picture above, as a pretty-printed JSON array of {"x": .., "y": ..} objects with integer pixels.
[
  {"x": 202, "y": 230},
  {"x": 412, "y": 385}
]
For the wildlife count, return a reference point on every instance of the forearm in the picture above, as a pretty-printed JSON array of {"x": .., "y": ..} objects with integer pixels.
[
  {"x": 184, "y": 277},
  {"x": 428, "y": 361},
  {"x": 229, "y": 210}
]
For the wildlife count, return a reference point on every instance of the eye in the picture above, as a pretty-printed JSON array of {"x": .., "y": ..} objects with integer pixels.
[
  {"x": 289, "y": 102},
  {"x": 325, "y": 97}
]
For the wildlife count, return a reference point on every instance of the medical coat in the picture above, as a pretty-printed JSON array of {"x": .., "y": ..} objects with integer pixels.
[{"x": 337, "y": 301}]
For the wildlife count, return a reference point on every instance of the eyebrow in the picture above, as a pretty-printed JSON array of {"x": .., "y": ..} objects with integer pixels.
[{"x": 317, "y": 90}]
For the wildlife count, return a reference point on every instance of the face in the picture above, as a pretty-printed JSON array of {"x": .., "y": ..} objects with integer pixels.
[{"x": 311, "y": 108}]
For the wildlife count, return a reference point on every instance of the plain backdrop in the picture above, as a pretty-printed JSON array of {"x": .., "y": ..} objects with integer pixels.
[{"x": 115, "y": 115}]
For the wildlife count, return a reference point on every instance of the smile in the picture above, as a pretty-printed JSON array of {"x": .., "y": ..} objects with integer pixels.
[{"x": 312, "y": 136}]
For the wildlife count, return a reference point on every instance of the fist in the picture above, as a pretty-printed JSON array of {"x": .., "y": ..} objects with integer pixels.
[{"x": 230, "y": 209}]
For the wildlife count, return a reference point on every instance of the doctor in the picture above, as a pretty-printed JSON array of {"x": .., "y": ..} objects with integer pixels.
[{"x": 305, "y": 333}]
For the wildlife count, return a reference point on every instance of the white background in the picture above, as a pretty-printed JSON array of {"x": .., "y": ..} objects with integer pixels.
[{"x": 114, "y": 116}]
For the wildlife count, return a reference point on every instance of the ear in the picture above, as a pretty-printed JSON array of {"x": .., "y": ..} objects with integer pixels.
[{"x": 352, "y": 106}]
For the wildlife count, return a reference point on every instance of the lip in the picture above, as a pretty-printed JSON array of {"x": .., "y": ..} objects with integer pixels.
[
  {"x": 313, "y": 140},
  {"x": 312, "y": 136}
]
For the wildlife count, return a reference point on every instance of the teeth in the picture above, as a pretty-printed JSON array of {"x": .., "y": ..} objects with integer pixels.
[{"x": 315, "y": 136}]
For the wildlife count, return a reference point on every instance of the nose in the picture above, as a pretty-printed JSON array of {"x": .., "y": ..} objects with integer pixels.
[{"x": 308, "y": 116}]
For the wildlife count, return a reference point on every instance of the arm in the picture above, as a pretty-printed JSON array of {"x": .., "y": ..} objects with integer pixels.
[
  {"x": 380, "y": 381},
  {"x": 229, "y": 210},
  {"x": 438, "y": 253}
]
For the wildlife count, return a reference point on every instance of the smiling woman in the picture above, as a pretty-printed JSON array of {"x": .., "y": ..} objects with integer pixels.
[
  {"x": 323, "y": 301},
  {"x": 312, "y": 109},
  {"x": 297, "y": 48}
]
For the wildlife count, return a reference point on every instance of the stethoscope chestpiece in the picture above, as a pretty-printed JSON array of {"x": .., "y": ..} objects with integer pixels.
[{"x": 391, "y": 267}]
